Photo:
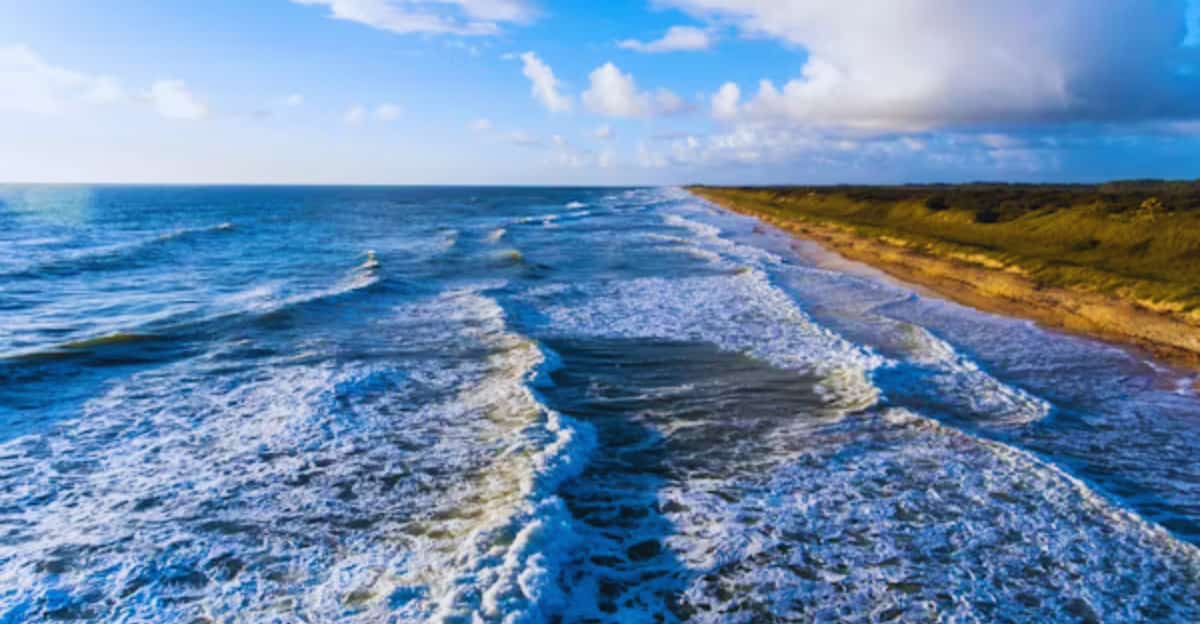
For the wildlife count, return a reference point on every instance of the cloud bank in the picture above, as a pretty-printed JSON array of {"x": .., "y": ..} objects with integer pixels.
[
  {"x": 457, "y": 17},
  {"x": 909, "y": 65}
]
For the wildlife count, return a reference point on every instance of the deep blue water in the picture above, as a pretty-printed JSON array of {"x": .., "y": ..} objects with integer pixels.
[{"x": 484, "y": 404}]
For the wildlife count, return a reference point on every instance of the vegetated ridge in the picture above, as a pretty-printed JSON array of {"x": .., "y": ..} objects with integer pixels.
[{"x": 1119, "y": 260}]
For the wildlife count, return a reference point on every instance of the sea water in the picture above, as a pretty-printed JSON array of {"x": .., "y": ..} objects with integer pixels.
[{"x": 306, "y": 404}]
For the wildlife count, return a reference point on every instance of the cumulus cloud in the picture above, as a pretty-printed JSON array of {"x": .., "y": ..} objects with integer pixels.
[
  {"x": 604, "y": 133},
  {"x": 31, "y": 85},
  {"x": 915, "y": 64},
  {"x": 676, "y": 39},
  {"x": 725, "y": 101},
  {"x": 480, "y": 125},
  {"x": 524, "y": 139},
  {"x": 615, "y": 94},
  {"x": 458, "y": 17},
  {"x": 172, "y": 99},
  {"x": 545, "y": 84}
]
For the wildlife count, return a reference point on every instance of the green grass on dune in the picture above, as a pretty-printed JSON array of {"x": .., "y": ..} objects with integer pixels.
[{"x": 1139, "y": 239}]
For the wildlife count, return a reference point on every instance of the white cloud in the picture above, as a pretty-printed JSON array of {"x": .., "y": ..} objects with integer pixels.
[
  {"x": 725, "y": 101},
  {"x": 604, "y": 133},
  {"x": 173, "y": 100},
  {"x": 388, "y": 112},
  {"x": 895, "y": 66},
  {"x": 459, "y": 44},
  {"x": 913, "y": 144},
  {"x": 29, "y": 84},
  {"x": 545, "y": 84},
  {"x": 751, "y": 149},
  {"x": 996, "y": 140},
  {"x": 356, "y": 115},
  {"x": 480, "y": 125},
  {"x": 615, "y": 94},
  {"x": 566, "y": 154},
  {"x": 667, "y": 103},
  {"x": 557, "y": 150},
  {"x": 648, "y": 159},
  {"x": 293, "y": 100},
  {"x": 459, "y": 17},
  {"x": 676, "y": 39},
  {"x": 524, "y": 139},
  {"x": 359, "y": 114}
]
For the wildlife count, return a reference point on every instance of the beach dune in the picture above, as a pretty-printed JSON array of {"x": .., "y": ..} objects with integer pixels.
[{"x": 1119, "y": 261}]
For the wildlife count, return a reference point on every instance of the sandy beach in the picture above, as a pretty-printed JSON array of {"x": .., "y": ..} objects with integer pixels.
[{"x": 992, "y": 285}]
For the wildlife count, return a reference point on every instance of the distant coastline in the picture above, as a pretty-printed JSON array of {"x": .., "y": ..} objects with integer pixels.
[{"x": 1120, "y": 261}]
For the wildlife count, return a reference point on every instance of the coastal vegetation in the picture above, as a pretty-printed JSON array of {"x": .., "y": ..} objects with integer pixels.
[{"x": 1096, "y": 258}]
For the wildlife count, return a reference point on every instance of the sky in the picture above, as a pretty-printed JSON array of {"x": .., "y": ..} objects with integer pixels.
[{"x": 620, "y": 92}]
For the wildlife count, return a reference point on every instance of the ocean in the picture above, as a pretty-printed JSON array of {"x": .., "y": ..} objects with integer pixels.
[{"x": 311, "y": 404}]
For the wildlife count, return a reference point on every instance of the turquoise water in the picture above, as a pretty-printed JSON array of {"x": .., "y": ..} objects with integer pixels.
[{"x": 526, "y": 405}]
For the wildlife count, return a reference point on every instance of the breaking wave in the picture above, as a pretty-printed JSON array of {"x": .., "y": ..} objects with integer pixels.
[
  {"x": 114, "y": 256},
  {"x": 742, "y": 313}
]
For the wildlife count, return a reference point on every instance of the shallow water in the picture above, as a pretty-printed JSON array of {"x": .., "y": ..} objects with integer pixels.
[{"x": 471, "y": 404}]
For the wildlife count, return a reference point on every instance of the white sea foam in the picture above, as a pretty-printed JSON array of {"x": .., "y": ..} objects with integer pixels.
[
  {"x": 449, "y": 239},
  {"x": 371, "y": 263},
  {"x": 742, "y": 313},
  {"x": 546, "y": 218},
  {"x": 708, "y": 238},
  {"x": 422, "y": 480},
  {"x": 362, "y": 277},
  {"x": 433, "y": 484},
  {"x": 959, "y": 380},
  {"x": 894, "y": 516},
  {"x": 511, "y": 567},
  {"x": 1186, "y": 385}
]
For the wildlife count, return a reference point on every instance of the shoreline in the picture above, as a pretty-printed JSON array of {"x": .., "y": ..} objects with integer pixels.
[{"x": 995, "y": 288}]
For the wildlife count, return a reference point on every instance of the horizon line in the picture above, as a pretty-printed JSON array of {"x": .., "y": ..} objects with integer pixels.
[{"x": 585, "y": 186}]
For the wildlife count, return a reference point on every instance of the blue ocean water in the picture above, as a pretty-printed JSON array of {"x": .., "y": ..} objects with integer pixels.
[{"x": 522, "y": 405}]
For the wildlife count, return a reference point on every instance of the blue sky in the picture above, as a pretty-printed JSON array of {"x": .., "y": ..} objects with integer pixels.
[{"x": 617, "y": 92}]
